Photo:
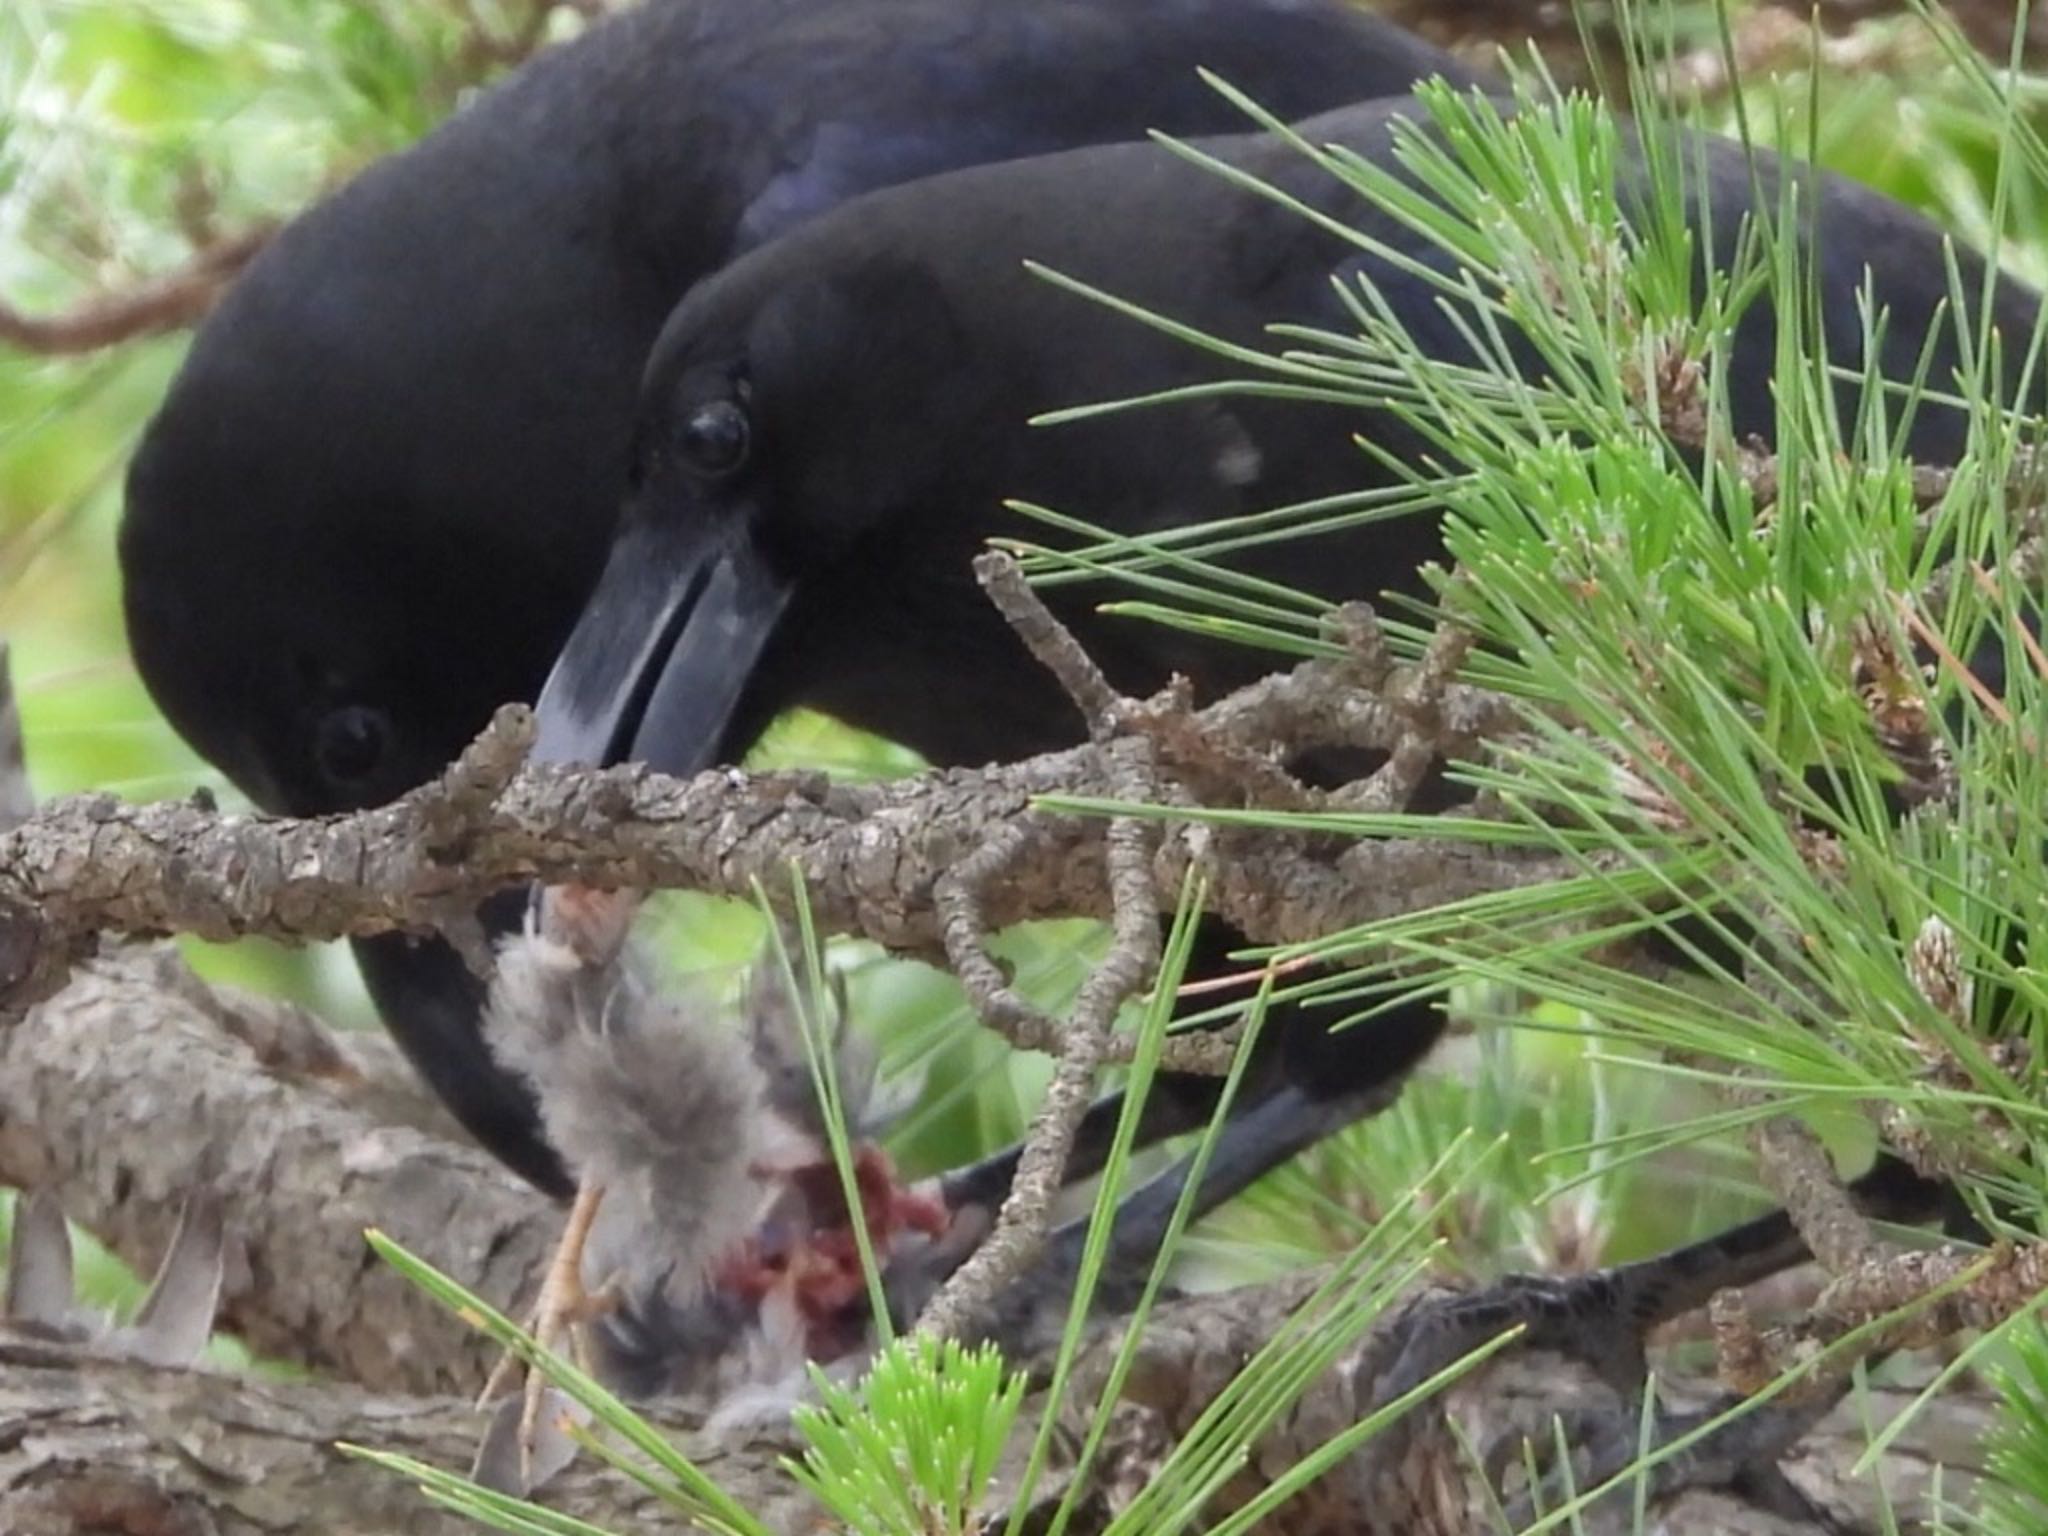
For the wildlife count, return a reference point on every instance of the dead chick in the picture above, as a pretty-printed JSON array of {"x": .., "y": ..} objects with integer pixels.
[{"x": 710, "y": 1250}]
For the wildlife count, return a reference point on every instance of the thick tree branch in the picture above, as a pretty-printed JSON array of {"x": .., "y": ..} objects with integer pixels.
[
  {"x": 90, "y": 1445},
  {"x": 1417, "y": 1478},
  {"x": 1921, "y": 1298},
  {"x": 95, "y": 1446},
  {"x": 870, "y": 855},
  {"x": 136, "y": 1086}
]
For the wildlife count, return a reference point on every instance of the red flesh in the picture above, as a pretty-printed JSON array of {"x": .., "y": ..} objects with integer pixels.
[{"x": 821, "y": 1268}]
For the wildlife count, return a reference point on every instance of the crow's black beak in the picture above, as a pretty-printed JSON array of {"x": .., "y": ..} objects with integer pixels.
[
  {"x": 434, "y": 1006},
  {"x": 658, "y": 664}
]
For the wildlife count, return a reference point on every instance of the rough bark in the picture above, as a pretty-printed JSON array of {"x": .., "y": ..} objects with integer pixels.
[
  {"x": 107, "y": 1447},
  {"x": 97, "y": 1446},
  {"x": 869, "y": 854},
  {"x": 1416, "y": 1478},
  {"x": 137, "y": 1085}
]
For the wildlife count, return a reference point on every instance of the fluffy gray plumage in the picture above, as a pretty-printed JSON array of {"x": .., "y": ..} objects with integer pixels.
[
  {"x": 775, "y": 1038},
  {"x": 654, "y": 1100},
  {"x": 690, "y": 1117}
]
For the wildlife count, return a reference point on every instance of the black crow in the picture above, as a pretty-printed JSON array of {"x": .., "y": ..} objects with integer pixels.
[
  {"x": 386, "y": 477},
  {"x": 830, "y": 427}
]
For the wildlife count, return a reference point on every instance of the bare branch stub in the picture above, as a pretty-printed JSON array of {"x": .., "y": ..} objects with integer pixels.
[
  {"x": 1343, "y": 701},
  {"x": 1050, "y": 642},
  {"x": 461, "y": 801},
  {"x": 957, "y": 895},
  {"x": 1214, "y": 763},
  {"x": 1417, "y": 698},
  {"x": 151, "y": 307}
]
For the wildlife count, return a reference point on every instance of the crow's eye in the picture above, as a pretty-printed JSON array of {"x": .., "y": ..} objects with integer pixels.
[
  {"x": 714, "y": 437},
  {"x": 349, "y": 745}
]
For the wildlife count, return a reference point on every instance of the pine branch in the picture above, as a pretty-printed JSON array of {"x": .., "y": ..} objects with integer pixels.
[{"x": 871, "y": 856}]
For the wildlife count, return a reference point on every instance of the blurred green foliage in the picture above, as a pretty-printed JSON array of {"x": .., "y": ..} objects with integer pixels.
[
  {"x": 132, "y": 130},
  {"x": 129, "y": 133}
]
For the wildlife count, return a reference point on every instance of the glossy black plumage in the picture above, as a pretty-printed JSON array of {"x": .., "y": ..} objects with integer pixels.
[
  {"x": 381, "y": 487},
  {"x": 885, "y": 361}
]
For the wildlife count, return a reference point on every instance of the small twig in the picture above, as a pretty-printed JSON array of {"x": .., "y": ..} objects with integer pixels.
[
  {"x": 1246, "y": 978},
  {"x": 1930, "y": 637},
  {"x": 1418, "y": 700},
  {"x": 964, "y": 926},
  {"x": 957, "y": 895},
  {"x": 1025, "y": 1216},
  {"x": 1342, "y": 702},
  {"x": 1412, "y": 723},
  {"x": 1988, "y": 585},
  {"x": 1417, "y": 718},
  {"x": 158, "y": 304},
  {"x": 1050, "y": 642},
  {"x": 1026, "y": 1212},
  {"x": 1211, "y": 761}
]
